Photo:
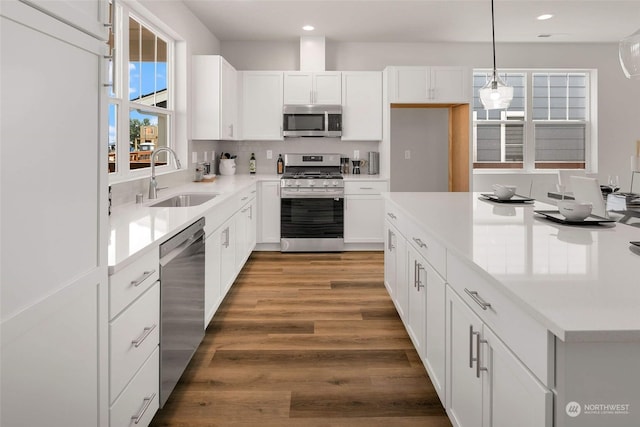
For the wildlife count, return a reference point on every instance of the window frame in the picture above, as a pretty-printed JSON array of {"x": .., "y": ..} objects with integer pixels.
[
  {"x": 124, "y": 105},
  {"x": 529, "y": 163}
]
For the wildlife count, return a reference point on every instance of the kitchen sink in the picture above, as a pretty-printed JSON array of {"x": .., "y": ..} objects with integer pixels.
[{"x": 184, "y": 200}]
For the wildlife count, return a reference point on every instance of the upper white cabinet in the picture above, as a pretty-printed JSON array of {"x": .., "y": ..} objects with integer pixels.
[
  {"x": 88, "y": 16},
  {"x": 429, "y": 84},
  {"x": 361, "y": 106},
  {"x": 312, "y": 88},
  {"x": 261, "y": 106},
  {"x": 214, "y": 98}
]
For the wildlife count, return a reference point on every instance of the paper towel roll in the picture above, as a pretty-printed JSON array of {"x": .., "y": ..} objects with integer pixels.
[{"x": 635, "y": 163}]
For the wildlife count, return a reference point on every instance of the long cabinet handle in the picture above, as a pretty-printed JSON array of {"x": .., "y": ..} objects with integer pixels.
[
  {"x": 142, "y": 278},
  {"x": 147, "y": 331},
  {"x": 390, "y": 236},
  {"x": 419, "y": 282},
  {"x": 415, "y": 273},
  {"x": 244, "y": 198},
  {"x": 420, "y": 242},
  {"x": 392, "y": 216},
  {"x": 471, "y": 358},
  {"x": 366, "y": 188},
  {"x": 474, "y": 296},
  {"x": 478, "y": 342},
  {"x": 147, "y": 401}
]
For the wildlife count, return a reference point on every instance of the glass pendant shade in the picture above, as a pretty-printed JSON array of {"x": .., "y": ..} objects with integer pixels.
[
  {"x": 629, "y": 53},
  {"x": 496, "y": 94}
]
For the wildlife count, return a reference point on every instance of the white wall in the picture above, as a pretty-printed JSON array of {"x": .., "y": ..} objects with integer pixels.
[
  {"x": 618, "y": 98},
  {"x": 192, "y": 38},
  {"x": 425, "y": 134}
]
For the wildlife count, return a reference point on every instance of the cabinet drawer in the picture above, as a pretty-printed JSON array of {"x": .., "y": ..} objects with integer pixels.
[
  {"x": 245, "y": 195},
  {"x": 365, "y": 187},
  {"x": 395, "y": 217},
  {"x": 434, "y": 252},
  {"x": 133, "y": 336},
  {"x": 526, "y": 337},
  {"x": 129, "y": 283},
  {"x": 140, "y": 400}
]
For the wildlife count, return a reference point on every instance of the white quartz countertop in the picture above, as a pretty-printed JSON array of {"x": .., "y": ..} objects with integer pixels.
[
  {"x": 581, "y": 282},
  {"x": 136, "y": 228}
]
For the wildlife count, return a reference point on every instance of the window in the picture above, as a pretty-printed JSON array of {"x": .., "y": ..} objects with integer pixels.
[
  {"x": 141, "y": 95},
  {"x": 547, "y": 125}
]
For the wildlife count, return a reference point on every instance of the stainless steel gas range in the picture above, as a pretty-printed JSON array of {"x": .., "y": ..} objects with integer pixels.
[{"x": 312, "y": 204}]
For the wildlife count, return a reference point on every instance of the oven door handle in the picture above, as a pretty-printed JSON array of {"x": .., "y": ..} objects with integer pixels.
[{"x": 298, "y": 195}]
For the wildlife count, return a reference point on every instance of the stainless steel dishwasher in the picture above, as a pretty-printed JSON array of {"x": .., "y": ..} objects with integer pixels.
[{"x": 181, "y": 303}]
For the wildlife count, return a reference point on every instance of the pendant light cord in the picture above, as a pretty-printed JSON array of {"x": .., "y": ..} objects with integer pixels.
[{"x": 493, "y": 38}]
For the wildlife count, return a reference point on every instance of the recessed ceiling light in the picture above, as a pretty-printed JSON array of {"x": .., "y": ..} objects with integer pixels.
[
  {"x": 545, "y": 17},
  {"x": 308, "y": 28}
]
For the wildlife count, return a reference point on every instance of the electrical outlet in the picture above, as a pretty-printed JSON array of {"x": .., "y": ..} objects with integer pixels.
[
  {"x": 407, "y": 154},
  {"x": 194, "y": 157},
  {"x": 205, "y": 157},
  {"x": 269, "y": 154},
  {"x": 356, "y": 154}
]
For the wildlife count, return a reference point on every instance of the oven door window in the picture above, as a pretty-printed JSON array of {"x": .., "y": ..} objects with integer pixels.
[
  {"x": 312, "y": 218},
  {"x": 304, "y": 122}
]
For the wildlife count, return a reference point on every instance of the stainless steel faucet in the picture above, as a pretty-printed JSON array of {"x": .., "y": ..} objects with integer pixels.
[{"x": 153, "y": 184}]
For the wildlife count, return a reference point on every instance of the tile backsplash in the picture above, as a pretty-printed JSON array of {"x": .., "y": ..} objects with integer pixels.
[{"x": 243, "y": 150}]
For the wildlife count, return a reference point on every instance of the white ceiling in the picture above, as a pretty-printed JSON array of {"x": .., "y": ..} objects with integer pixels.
[{"x": 419, "y": 20}]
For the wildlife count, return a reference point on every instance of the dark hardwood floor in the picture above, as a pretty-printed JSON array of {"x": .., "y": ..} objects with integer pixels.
[{"x": 306, "y": 340}]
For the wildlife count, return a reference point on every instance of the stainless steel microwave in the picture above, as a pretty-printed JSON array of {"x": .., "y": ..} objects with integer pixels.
[{"x": 312, "y": 120}]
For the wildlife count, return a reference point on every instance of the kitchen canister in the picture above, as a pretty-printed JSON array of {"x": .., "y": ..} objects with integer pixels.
[
  {"x": 374, "y": 162},
  {"x": 227, "y": 166}
]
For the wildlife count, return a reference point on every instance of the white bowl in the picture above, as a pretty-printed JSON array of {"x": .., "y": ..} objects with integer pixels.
[
  {"x": 574, "y": 210},
  {"x": 504, "y": 192}
]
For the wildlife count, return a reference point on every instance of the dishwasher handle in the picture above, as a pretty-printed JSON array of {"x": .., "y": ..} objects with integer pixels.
[{"x": 167, "y": 258}]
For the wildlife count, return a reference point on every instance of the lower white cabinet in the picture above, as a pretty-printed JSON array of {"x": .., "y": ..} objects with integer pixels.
[
  {"x": 245, "y": 232},
  {"x": 415, "y": 322},
  {"x": 395, "y": 269},
  {"x": 435, "y": 328},
  {"x": 212, "y": 274},
  {"x": 269, "y": 212},
  {"x": 486, "y": 384},
  {"x": 139, "y": 401},
  {"x": 364, "y": 211}
]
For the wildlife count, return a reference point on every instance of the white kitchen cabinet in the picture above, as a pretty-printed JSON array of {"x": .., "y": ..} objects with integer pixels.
[
  {"x": 434, "y": 358},
  {"x": 54, "y": 293},
  {"x": 416, "y": 283},
  {"x": 261, "y": 105},
  {"x": 364, "y": 211},
  {"x": 245, "y": 232},
  {"x": 304, "y": 88},
  {"x": 212, "y": 274},
  {"x": 87, "y": 15},
  {"x": 486, "y": 384},
  {"x": 214, "y": 98},
  {"x": 269, "y": 212},
  {"x": 227, "y": 255},
  {"x": 391, "y": 237},
  {"x": 361, "y": 106},
  {"x": 417, "y": 84}
]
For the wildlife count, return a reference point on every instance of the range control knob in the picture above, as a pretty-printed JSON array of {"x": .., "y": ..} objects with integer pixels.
[
  {"x": 325, "y": 183},
  {"x": 311, "y": 183},
  {"x": 298, "y": 183},
  {"x": 335, "y": 183}
]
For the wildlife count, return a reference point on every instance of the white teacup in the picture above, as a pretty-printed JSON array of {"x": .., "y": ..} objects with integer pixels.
[
  {"x": 504, "y": 192},
  {"x": 574, "y": 210}
]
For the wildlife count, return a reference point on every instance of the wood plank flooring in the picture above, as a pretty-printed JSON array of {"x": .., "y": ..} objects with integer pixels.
[{"x": 306, "y": 340}]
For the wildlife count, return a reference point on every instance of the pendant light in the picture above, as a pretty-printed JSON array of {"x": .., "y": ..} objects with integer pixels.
[
  {"x": 629, "y": 54},
  {"x": 495, "y": 94}
]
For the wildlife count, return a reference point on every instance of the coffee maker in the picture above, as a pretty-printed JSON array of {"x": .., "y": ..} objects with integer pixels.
[{"x": 356, "y": 167}]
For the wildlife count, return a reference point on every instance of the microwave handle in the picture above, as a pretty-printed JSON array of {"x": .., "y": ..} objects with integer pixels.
[{"x": 326, "y": 121}]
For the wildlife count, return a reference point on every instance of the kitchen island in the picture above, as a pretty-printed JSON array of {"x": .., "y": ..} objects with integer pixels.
[{"x": 542, "y": 318}]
